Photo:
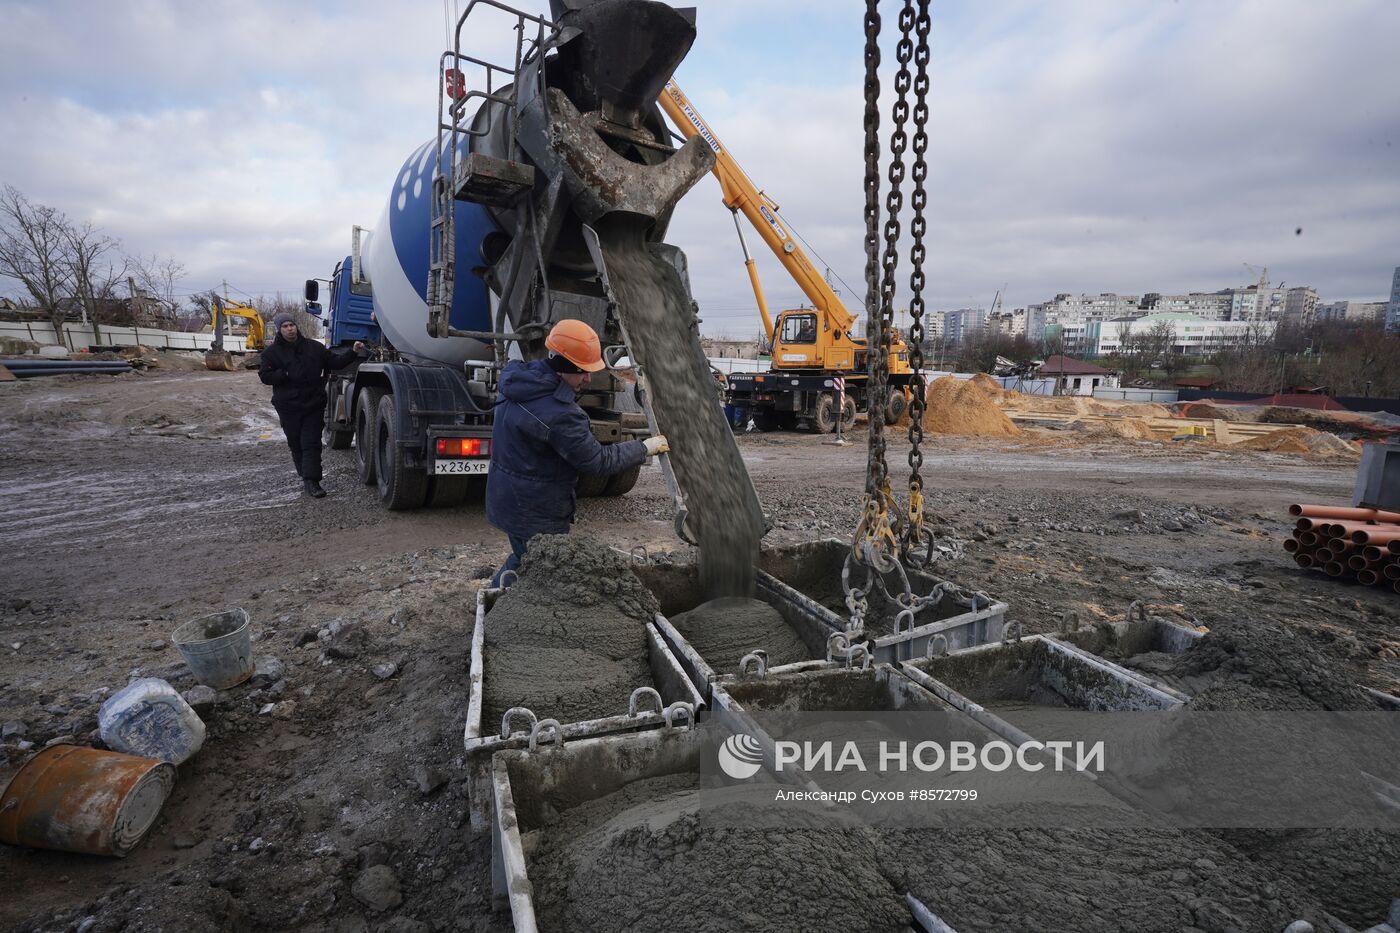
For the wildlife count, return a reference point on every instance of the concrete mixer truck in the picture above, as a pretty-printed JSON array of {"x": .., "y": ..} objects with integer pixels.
[{"x": 483, "y": 244}]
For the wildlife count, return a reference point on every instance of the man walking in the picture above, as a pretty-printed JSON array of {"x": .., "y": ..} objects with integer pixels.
[
  {"x": 541, "y": 441},
  {"x": 296, "y": 367}
]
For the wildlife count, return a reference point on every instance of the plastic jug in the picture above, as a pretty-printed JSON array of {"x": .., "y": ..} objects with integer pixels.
[{"x": 148, "y": 717}]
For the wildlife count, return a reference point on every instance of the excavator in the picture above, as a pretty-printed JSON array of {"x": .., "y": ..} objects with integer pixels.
[
  {"x": 217, "y": 358},
  {"x": 811, "y": 347}
]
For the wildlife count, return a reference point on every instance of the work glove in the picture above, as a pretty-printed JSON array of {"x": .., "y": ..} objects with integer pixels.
[{"x": 656, "y": 445}]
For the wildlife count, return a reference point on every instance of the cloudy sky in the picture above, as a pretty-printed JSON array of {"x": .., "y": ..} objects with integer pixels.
[{"x": 1077, "y": 145}]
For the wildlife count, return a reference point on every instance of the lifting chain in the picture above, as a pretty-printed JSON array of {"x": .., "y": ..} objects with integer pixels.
[
  {"x": 875, "y": 540},
  {"x": 916, "y": 542}
]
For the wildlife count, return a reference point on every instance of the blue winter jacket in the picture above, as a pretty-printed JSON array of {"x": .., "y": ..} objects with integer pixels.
[{"x": 540, "y": 442}]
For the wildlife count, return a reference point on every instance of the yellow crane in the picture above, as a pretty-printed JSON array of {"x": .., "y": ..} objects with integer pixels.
[{"x": 811, "y": 346}]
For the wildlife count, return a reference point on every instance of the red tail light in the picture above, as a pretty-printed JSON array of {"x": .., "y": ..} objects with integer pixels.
[{"x": 463, "y": 447}]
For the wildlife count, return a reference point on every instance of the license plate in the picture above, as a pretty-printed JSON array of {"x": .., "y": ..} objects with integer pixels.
[{"x": 461, "y": 467}]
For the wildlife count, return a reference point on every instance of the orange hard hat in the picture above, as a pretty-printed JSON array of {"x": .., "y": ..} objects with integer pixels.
[{"x": 578, "y": 343}]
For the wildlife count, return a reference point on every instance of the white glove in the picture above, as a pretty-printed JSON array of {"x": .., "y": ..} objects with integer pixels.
[{"x": 656, "y": 445}]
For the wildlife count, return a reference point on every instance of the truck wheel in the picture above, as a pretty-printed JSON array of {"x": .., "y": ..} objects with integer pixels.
[
  {"x": 848, "y": 415},
  {"x": 894, "y": 408},
  {"x": 445, "y": 492},
  {"x": 591, "y": 486},
  {"x": 620, "y": 484},
  {"x": 400, "y": 486},
  {"x": 365, "y": 414},
  {"x": 824, "y": 418},
  {"x": 334, "y": 436}
]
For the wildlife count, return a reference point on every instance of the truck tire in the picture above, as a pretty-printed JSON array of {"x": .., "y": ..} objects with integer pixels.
[
  {"x": 591, "y": 486},
  {"x": 365, "y": 413},
  {"x": 333, "y": 435},
  {"x": 824, "y": 418},
  {"x": 848, "y": 415},
  {"x": 445, "y": 492},
  {"x": 400, "y": 486},
  {"x": 894, "y": 408},
  {"x": 620, "y": 484}
]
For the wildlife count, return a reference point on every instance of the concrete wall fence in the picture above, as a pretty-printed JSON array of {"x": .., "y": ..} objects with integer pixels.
[{"x": 81, "y": 336}]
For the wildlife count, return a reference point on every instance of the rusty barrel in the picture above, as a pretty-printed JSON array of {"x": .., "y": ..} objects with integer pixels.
[{"x": 78, "y": 799}]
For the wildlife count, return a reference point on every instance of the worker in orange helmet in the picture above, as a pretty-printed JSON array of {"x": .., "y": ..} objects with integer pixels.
[{"x": 542, "y": 441}]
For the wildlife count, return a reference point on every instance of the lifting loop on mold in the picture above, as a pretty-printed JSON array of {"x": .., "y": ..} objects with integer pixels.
[
  {"x": 682, "y": 708},
  {"x": 508, "y": 579},
  {"x": 1137, "y": 612},
  {"x": 904, "y": 622},
  {"x": 938, "y": 646},
  {"x": 511, "y": 713},
  {"x": 644, "y": 692},
  {"x": 1069, "y": 621},
  {"x": 541, "y": 726},
  {"x": 760, "y": 662},
  {"x": 838, "y": 645},
  {"x": 864, "y": 651},
  {"x": 1012, "y": 632},
  {"x": 639, "y": 554}
]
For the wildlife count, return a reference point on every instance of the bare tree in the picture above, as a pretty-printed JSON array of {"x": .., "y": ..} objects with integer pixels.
[
  {"x": 93, "y": 274},
  {"x": 158, "y": 277},
  {"x": 34, "y": 252}
]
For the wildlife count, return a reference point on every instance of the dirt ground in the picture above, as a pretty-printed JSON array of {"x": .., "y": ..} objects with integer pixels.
[{"x": 130, "y": 504}]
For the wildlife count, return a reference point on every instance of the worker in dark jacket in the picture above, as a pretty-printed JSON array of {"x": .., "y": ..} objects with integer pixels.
[
  {"x": 296, "y": 367},
  {"x": 541, "y": 441}
]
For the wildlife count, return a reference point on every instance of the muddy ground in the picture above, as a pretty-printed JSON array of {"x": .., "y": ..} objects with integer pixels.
[{"x": 130, "y": 504}]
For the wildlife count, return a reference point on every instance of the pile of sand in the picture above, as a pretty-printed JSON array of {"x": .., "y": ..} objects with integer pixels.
[
  {"x": 1129, "y": 428},
  {"x": 1301, "y": 441},
  {"x": 568, "y": 640},
  {"x": 964, "y": 407}
]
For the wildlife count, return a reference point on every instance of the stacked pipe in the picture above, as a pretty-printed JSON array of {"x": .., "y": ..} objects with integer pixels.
[
  {"x": 1346, "y": 543},
  {"x": 31, "y": 366}
]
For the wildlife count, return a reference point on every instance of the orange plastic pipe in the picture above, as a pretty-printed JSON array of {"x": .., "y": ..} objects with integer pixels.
[
  {"x": 1367, "y": 577},
  {"x": 1392, "y": 572},
  {"x": 1291, "y": 545},
  {"x": 1376, "y": 534},
  {"x": 1303, "y": 560},
  {"x": 1336, "y": 511},
  {"x": 1341, "y": 528}
]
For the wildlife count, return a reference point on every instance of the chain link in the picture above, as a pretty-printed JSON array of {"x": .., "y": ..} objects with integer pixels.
[
  {"x": 916, "y": 544},
  {"x": 872, "y": 240}
]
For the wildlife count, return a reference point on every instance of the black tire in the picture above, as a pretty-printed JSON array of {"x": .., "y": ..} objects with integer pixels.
[
  {"x": 366, "y": 411},
  {"x": 591, "y": 486},
  {"x": 894, "y": 408},
  {"x": 445, "y": 492},
  {"x": 620, "y": 484},
  {"x": 400, "y": 486},
  {"x": 848, "y": 415},
  {"x": 333, "y": 435},
  {"x": 824, "y": 418},
  {"x": 765, "y": 419}
]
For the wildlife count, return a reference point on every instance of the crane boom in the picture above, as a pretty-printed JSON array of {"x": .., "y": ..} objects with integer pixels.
[{"x": 742, "y": 196}]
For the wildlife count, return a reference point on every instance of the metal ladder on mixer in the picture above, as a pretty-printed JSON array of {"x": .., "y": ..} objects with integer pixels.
[{"x": 477, "y": 177}]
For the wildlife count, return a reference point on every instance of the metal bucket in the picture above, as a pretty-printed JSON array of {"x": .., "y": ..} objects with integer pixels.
[
  {"x": 217, "y": 647},
  {"x": 77, "y": 799}
]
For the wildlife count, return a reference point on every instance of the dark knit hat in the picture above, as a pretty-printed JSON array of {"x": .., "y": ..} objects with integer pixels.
[{"x": 282, "y": 318}]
